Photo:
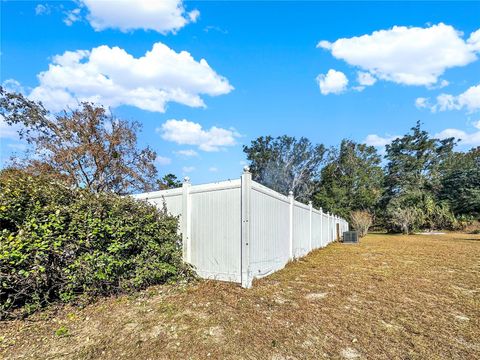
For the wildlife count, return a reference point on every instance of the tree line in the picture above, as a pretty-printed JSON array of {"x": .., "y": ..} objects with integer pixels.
[{"x": 420, "y": 183}]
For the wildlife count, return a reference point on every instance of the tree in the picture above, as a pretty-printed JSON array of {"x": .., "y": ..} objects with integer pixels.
[
  {"x": 413, "y": 181},
  {"x": 286, "y": 164},
  {"x": 88, "y": 146},
  {"x": 414, "y": 162},
  {"x": 404, "y": 219},
  {"x": 169, "y": 181},
  {"x": 461, "y": 182},
  {"x": 351, "y": 180}
]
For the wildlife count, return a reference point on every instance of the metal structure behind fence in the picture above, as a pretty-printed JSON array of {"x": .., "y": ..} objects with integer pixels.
[{"x": 239, "y": 230}]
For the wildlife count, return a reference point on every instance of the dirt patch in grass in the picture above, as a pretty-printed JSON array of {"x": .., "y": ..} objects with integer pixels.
[{"x": 415, "y": 297}]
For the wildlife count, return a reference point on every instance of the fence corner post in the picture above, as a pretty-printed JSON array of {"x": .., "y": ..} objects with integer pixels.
[
  {"x": 290, "y": 234},
  {"x": 186, "y": 220},
  {"x": 246, "y": 186},
  {"x": 310, "y": 209}
]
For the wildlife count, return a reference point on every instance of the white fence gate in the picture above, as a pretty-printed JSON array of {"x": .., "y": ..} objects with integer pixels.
[{"x": 238, "y": 230}]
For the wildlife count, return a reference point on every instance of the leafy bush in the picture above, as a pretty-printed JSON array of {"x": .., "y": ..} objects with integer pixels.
[
  {"x": 60, "y": 243},
  {"x": 405, "y": 219},
  {"x": 437, "y": 215},
  {"x": 464, "y": 220},
  {"x": 415, "y": 210},
  {"x": 361, "y": 221}
]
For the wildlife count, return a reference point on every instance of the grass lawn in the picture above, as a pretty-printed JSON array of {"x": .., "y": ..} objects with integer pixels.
[{"x": 409, "y": 297}]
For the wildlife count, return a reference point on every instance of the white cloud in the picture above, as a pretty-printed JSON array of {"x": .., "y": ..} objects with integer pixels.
[
  {"x": 163, "y": 16},
  {"x": 474, "y": 40},
  {"x": 162, "y": 160},
  {"x": 193, "y": 15},
  {"x": 365, "y": 78},
  {"x": 12, "y": 85},
  {"x": 72, "y": 16},
  {"x": 188, "y": 153},
  {"x": 210, "y": 28},
  {"x": 476, "y": 124},
  {"x": 358, "y": 88},
  {"x": 188, "y": 169},
  {"x": 112, "y": 77},
  {"x": 472, "y": 139},
  {"x": 213, "y": 169},
  {"x": 445, "y": 102},
  {"x": 379, "y": 141},
  {"x": 421, "y": 103},
  {"x": 468, "y": 100},
  {"x": 334, "y": 82},
  {"x": 439, "y": 85},
  {"x": 42, "y": 9},
  {"x": 186, "y": 132},
  {"x": 407, "y": 55}
]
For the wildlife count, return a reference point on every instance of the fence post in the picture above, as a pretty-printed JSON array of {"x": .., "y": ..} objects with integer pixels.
[
  {"x": 186, "y": 220},
  {"x": 290, "y": 235},
  {"x": 310, "y": 208},
  {"x": 337, "y": 227},
  {"x": 334, "y": 227},
  {"x": 246, "y": 181},
  {"x": 329, "y": 227},
  {"x": 321, "y": 227}
]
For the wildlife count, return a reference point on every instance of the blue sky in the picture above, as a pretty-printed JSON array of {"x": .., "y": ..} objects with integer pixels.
[{"x": 270, "y": 68}]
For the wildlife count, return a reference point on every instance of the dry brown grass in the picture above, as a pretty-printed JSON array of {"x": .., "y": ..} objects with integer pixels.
[{"x": 390, "y": 297}]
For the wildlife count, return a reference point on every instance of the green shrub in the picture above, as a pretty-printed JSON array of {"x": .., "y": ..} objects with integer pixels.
[
  {"x": 415, "y": 210},
  {"x": 60, "y": 243},
  {"x": 465, "y": 220}
]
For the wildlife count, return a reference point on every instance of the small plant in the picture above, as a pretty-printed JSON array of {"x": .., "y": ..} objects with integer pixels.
[
  {"x": 61, "y": 331},
  {"x": 361, "y": 221}
]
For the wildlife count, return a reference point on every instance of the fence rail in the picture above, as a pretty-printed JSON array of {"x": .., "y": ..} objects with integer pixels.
[{"x": 239, "y": 230}]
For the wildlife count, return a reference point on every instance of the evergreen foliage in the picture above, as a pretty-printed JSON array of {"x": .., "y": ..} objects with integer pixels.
[{"x": 63, "y": 243}]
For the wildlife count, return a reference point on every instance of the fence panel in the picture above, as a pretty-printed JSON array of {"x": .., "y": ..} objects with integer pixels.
[
  {"x": 215, "y": 233},
  {"x": 301, "y": 229},
  {"x": 269, "y": 230},
  {"x": 316, "y": 229},
  {"x": 325, "y": 233},
  {"x": 172, "y": 199}
]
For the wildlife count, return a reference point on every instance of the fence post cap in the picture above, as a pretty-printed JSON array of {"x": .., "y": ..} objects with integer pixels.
[
  {"x": 246, "y": 169},
  {"x": 290, "y": 193},
  {"x": 186, "y": 179}
]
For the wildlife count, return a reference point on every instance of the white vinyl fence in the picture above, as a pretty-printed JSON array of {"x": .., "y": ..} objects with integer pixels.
[{"x": 238, "y": 230}]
